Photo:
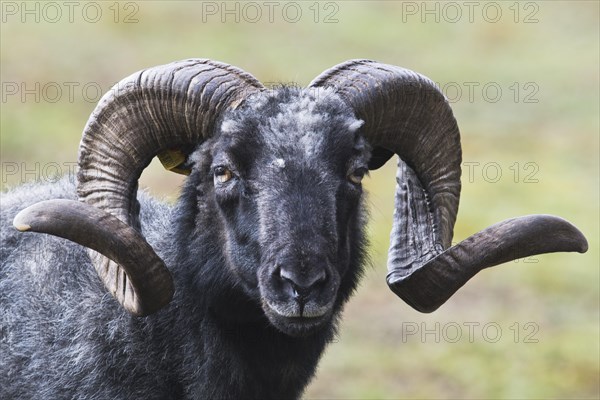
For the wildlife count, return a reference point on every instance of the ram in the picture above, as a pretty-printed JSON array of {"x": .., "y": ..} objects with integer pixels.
[{"x": 234, "y": 291}]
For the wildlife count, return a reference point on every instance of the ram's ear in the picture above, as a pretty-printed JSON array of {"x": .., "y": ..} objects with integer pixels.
[{"x": 175, "y": 160}]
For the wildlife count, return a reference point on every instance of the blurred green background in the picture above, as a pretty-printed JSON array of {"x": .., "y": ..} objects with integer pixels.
[{"x": 523, "y": 79}]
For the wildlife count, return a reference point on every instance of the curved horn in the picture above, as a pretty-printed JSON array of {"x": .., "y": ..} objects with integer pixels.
[
  {"x": 170, "y": 107},
  {"x": 98, "y": 230},
  {"x": 405, "y": 113}
]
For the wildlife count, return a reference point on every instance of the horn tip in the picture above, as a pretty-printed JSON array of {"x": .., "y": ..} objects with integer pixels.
[
  {"x": 22, "y": 221},
  {"x": 573, "y": 238},
  {"x": 419, "y": 297},
  {"x": 582, "y": 244},
  {"x": 22, "y": 227}
]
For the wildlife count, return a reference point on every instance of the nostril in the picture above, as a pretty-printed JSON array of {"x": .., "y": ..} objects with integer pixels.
[
  {"x": 295, "y": 292},
  {"x": 291, "y": 285},
  {"x": 301, "y": 285}
]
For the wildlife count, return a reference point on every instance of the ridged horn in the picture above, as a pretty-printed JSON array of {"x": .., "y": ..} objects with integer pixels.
[
  {"x": 165, "y": 109},
  {"x": 406, "y": 114},
  {"x": 173, "y": 106}
]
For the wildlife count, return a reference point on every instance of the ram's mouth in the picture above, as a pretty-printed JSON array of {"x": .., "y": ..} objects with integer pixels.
[{"x": 295, "y": 320}]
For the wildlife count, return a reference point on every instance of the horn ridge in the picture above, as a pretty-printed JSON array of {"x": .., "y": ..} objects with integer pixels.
[
  {"x": 171, "y": 106},
  {"x": 405, "y": 113}
]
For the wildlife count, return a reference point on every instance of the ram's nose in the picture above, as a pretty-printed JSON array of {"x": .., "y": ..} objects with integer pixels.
[{"x": 301, "y": 284}]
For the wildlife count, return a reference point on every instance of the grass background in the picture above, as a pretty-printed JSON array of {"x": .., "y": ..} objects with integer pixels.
[{"x": 548, "y": 131}]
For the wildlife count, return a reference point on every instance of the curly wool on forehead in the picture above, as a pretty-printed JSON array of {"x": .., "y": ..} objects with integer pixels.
[
  {"x": 292, "y": 98},
  {"x": 290, "y": 115}
]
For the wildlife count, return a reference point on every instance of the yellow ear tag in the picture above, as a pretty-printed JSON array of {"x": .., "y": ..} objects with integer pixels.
[{"x": 172, "y": 159}]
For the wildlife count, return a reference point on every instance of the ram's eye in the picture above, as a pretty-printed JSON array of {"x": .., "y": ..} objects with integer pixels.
[
  {"x": 222, "y": 174},
  {"x": 357, "y": 175}
]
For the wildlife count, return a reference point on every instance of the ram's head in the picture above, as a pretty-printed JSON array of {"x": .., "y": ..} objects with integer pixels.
[{"x": 275, "y": 163}]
